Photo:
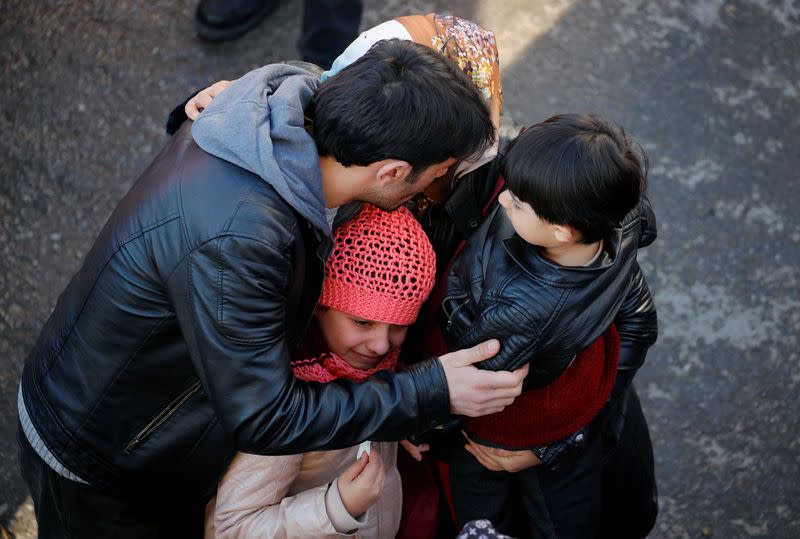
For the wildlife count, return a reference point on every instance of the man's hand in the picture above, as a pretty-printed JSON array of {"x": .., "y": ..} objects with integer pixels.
[
  {"x": 475, "y": 392},
  {"x": 501, "y": 460},
  {"x": 361, "y": 483},
  {"x": 198, "y": 103}
]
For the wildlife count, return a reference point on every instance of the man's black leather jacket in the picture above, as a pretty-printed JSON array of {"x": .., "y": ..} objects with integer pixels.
[{"x": 169, "y": 349}]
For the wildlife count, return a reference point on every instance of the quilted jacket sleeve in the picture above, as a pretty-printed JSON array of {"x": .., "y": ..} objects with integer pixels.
[
  {"x": 636, "y": 322},
  {"x": 475, "y": 310},
  {"x": 496, "y": 319}
]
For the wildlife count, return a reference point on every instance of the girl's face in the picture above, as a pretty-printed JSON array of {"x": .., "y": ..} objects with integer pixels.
[{"x": 360, "y": 342}]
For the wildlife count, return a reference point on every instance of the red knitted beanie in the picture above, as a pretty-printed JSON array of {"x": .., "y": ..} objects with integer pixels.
[{"x": 382, "y": 267}]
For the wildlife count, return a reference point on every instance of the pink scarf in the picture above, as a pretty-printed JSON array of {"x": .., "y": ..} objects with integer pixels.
[{"x": 328, "y": 366}]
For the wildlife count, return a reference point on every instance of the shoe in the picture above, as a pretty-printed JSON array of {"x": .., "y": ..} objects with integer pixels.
[{"x": 220, "y": 20}]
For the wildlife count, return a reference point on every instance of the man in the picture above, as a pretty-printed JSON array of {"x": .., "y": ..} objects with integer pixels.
[{"x": 169, "y": 350}]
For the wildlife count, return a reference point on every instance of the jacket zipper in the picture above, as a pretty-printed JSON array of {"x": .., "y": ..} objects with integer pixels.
[
  {"x": 453, "y": 297},
  {"x": 165, "y": 414}
]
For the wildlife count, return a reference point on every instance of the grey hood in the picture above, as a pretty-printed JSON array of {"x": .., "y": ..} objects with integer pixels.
[{"x": 257, "y": 123}]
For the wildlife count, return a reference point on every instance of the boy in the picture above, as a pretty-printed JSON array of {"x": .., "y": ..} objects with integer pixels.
[{"x": 549, "y": 271}]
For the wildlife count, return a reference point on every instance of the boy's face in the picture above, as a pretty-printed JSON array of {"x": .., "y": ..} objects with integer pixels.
[
  {"x": 360, "y": 342},
  {"x": 529, "y": 226}
]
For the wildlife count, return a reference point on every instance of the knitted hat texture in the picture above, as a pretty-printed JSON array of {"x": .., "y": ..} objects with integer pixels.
[{"x": 382, "y": 267}]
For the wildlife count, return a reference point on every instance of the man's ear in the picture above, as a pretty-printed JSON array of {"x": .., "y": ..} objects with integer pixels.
[
  {"x": 391, "y": 170},
  {"x": 566, "y": 234}
]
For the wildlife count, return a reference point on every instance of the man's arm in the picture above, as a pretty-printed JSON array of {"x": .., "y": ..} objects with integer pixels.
[{"x": 230, "y": 295}]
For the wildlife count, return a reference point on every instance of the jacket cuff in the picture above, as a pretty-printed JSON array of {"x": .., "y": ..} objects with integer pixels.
[
  {"x": 632, "y": 354},
  {"x": 433, "y": 395},
  {"x": 342, "y": 521}
]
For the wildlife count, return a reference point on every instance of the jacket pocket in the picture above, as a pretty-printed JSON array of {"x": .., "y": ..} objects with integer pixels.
[
  {"x": 163, "y": 416},
  {"x": 451, "y": 305}
]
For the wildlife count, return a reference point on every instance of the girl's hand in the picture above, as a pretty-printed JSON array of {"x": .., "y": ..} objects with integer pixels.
[
  {"x": 361, "y": 484},
  {"x": 203, "y": 99},
  {"x": 415, "y": 451}
]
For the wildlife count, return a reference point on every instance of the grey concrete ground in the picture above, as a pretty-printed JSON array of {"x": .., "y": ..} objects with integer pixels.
[{"x": 711, "y": 87}]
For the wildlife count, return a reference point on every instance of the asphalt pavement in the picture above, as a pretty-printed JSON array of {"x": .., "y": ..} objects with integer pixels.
[{"x": 711, "y": 88}]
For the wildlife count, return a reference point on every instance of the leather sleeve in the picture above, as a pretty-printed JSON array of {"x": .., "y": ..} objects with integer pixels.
[
  {"x": 230, "y": 296},
  {"x": 636, "y": 322},
  {"x": 648, "y": 224},
  {"x": 469, "y": 323},
  {"x": 506, "y": 322}
]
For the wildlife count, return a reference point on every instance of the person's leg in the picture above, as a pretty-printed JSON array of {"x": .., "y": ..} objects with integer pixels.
[
  {"x": 573, "y": 493},
  {"x": 630, "y": 497},
  {"x": 67, "y": 509},
  {"x": 479, "y": 493},
  {"x": 35, "y": 473},
  {"x": 533, "y": 519},
  {"x": 219, "y": 20},
  {"x": 329, "y": 26}
]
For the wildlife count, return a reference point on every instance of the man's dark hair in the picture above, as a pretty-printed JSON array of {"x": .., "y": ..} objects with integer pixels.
[
  {"x": 579, "y": 170},
  {"x": 403, "y": 101}
]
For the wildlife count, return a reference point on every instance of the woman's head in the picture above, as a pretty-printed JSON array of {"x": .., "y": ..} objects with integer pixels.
[{"x": 379, "y": 274}]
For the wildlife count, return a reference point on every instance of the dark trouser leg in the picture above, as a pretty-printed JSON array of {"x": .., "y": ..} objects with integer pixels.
[
  {"x": 67, "y": 509},
  {"x": 609, "y": 491},
  {"x": 630, "y": 498},
  {"x": 329, "y": 26},
  {"x": 532, "y": 517},
  {"x": 573, "y": 493},
  {"x": 479, "y": 493}
]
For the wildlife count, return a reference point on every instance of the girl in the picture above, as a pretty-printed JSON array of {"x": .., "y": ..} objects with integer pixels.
[{"x": 376, "y": 279}]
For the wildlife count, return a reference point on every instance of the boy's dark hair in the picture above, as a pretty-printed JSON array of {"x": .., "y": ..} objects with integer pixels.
[
  {"x": 579, "y": 170},
  {"x": 403, "y": 101}
]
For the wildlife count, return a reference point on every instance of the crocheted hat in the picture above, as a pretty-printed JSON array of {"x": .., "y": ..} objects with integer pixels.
[{"x": 382, "y": 267}]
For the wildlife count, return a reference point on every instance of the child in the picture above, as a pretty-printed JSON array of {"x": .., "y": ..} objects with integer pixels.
[
  {"x": 379, "y": 274},
  {"x": 548, "y": 273}
]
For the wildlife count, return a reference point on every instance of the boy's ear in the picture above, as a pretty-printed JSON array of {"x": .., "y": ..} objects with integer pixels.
[
  {"x": 391, "y": 170},
  {"x": 566, "y": 234}
]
